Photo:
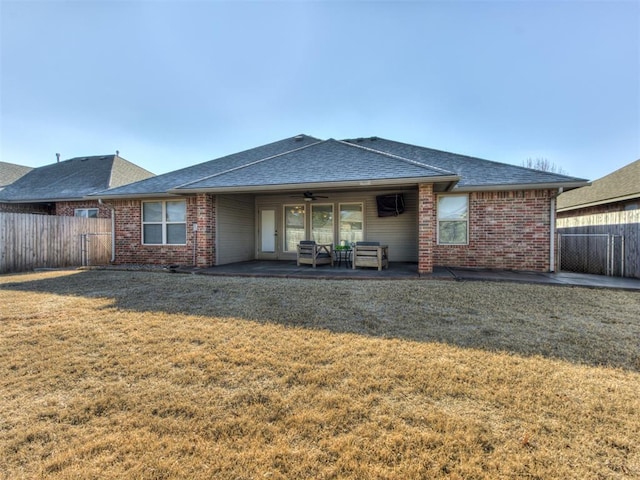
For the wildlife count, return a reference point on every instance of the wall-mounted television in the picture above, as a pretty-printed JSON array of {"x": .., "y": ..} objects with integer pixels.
[{"x": 390, "y": 205}]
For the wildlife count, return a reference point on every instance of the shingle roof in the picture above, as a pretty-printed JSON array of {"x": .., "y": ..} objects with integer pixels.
[
  {"x": 328, "y": 161},
  {"x": 73, "y": 179},
  {"x": 622, "y": 184},
  {"x": 168, "y": 181},
  {"x": 10, "y": 172},
  {"x": 304, "y": 160},
  {"x": 474, "y": 172}
]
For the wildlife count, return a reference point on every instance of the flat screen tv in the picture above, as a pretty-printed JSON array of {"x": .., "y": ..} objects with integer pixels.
[{"x": 390, "y": 205}]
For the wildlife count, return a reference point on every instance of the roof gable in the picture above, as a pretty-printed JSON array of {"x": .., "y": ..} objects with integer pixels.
[
  {"x": 72, "y": 179},
  {"x": 622, "y": 184},
  {"x": 324, "y": 162}
]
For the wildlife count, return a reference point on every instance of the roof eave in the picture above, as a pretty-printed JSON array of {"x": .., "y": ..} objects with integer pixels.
[
  {"x": 123, "y": 196},
  {"x": 359, "y": 184},
  {"x": 521, "y": 186}
]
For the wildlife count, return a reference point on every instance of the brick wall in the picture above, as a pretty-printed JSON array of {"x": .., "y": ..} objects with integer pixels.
[
  {"x": 604, "y": 208},
  {"x": 67, "y": 209},
  {"x": 507, "y": 230},
  {"x": 426, "y": 228},
  {"x": 129, "y": 247},
  {"x": 34, "y": 208}
]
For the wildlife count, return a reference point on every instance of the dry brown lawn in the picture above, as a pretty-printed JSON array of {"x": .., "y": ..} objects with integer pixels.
[{"x": 107, "y": 374}]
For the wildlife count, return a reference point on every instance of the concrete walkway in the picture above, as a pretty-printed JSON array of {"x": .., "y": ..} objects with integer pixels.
[{"x": 406, "y": 271}]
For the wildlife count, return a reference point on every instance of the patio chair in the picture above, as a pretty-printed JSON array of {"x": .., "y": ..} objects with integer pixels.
[
  {"x": 370, "y": 254},
  {"x": 312, "y": 253}
]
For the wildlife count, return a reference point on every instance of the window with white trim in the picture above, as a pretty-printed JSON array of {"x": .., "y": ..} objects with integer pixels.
[
  {"x": 453, "y": 219},
  {"x": 86, "y": 212},
  {"x": 164, "y": 222}
]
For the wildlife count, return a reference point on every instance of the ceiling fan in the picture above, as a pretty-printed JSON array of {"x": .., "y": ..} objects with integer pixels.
[{"x": 309, "y": 196}]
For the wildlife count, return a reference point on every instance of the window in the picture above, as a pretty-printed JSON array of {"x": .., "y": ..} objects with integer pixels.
[
  {"x": 351, "y": 223},
  {"x": 164, "y": 223},
  {"x": 294, "y": 226},
  {"x": 322, "y": 223},
  {"x": 453, "y": 219},
  {"x": 86, "y": 212}
]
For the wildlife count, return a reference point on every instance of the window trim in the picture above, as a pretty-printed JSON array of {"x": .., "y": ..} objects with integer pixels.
[
  {"x": 164, "y": 223},
  {"x": 466, "y": 242}
]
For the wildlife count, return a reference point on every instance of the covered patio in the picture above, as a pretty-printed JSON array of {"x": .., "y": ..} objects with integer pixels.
[{"x": 289, "y": 269}]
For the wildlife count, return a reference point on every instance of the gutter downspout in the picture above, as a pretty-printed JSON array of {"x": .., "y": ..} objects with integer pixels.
[
  {"x": 113, "y": 229},
  {"x": 552, "y": 232}
]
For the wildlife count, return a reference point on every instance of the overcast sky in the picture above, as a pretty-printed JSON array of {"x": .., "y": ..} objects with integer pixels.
[{"x": 174, "y": 83}]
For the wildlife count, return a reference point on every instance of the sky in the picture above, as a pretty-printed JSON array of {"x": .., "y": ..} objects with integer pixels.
[{"x": 174, "y": 83}]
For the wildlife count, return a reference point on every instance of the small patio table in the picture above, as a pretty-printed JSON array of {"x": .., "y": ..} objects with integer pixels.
[{"x": 343, "y": 254}]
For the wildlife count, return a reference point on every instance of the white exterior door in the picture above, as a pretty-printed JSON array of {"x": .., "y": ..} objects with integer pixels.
[{"x": 268, "y": 246}]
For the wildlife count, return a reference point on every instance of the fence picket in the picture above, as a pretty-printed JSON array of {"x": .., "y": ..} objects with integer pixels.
[
  {"x": 625, "y": 224},
  {"x": 29, "y": 241}
]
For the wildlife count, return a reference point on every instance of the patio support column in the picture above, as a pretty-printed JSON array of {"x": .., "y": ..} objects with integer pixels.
[
  {"x": 426, "y": 227},
  {"x": 205, "y": 236}
]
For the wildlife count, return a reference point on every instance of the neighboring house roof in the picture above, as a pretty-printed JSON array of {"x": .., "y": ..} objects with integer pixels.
[
  {"x": 307, "y": 162},
  {"x": 73, "y": 179},
  {"x": 10, "y": 172},
  {"x": 621, "y": 185}
]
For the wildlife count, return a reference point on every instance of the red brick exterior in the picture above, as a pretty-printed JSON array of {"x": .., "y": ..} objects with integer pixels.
[
  {"x": 129, "y": 247},
  {"x": 598, "y": 209},
  {"x": 426, "y": 227},
  {"x": 507, "y": 230},
  {"x": 68, "y": 209},
  {"x": 33, "y": 208},
  {"x": 63, "y": 209}
]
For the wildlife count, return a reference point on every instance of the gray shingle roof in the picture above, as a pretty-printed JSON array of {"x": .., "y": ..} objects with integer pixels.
[
  {"x": 168, "y": 181},
  {"x": 73, "y": 179},
  {"x": 305, "y": 160},
  {"x": 10, "y": 172},
  {"x": 473, "y": 172},
  {"x": 624, "y": 183},
  {"x": 328, "y": 161}
]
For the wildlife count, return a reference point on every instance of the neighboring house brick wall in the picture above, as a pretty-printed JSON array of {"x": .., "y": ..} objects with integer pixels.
[
  {"x": 507, "y": 230},
  {"x": 36, "y": 208},
  {"x": 129, "y": 247},
  {"x": 598, "y": 209},
  {"x": 68, "y": 209}
]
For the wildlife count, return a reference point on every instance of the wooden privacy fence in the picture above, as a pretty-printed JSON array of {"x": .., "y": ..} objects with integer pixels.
[
  {"x": 606, "y": 244},
  {"x": 44, "y": 241}
]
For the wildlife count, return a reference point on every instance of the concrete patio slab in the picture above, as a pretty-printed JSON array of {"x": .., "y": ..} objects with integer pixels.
[{"x": 407, "y": 271}]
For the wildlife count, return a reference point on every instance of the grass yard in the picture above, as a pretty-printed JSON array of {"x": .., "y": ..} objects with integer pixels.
[{"x": 108, "y": 374}]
